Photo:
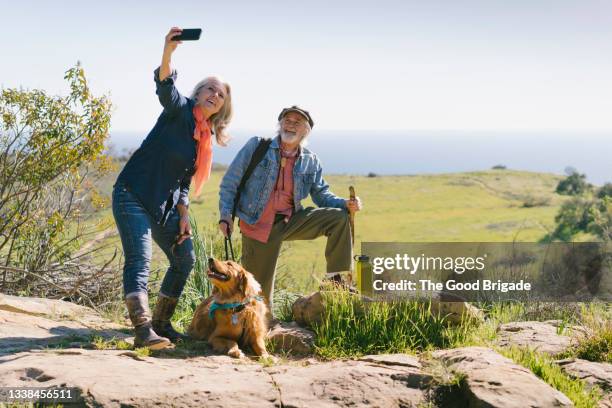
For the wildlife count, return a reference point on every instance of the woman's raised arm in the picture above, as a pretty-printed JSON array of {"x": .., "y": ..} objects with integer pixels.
[{"x": 169, "y": 46}]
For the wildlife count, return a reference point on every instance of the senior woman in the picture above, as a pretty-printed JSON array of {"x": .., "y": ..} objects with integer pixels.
[{"x": 150, "y": 196}]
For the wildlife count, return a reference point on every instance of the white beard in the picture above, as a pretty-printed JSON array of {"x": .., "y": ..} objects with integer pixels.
[{"x": 289, "y": 138}]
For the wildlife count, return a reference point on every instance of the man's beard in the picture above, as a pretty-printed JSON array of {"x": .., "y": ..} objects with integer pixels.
[{"x": 290, "y": 138}]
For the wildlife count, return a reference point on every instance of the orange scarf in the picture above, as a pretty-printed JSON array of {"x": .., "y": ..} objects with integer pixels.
[{"x": 202, "y": 135}]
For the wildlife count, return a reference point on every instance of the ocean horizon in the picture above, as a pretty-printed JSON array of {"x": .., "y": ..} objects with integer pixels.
[{"x": 431, "y": 152}]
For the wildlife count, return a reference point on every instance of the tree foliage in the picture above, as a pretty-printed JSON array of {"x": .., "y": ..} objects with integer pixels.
[
  {"x": 574, "y": 184},
  {"x": 605, "y": 191},
  {"x": 51, "y": 148},
  {"x": 583, "y": 214}
]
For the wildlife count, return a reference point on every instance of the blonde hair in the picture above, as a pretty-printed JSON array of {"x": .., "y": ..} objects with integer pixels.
[{"x": 221, "y": 119}]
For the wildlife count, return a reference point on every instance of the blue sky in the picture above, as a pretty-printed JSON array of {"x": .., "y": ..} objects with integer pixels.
[{"x": 504, "y": 65}]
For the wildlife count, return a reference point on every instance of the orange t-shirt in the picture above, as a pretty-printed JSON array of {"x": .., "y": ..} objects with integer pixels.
[{"x": 280, "y": 202}]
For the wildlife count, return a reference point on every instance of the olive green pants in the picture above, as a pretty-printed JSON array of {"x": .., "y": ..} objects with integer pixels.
[{"x": 260, "y": 258}]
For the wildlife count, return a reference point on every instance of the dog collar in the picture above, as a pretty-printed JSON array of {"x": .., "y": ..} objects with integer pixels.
[{"x": 237, "y": 306}]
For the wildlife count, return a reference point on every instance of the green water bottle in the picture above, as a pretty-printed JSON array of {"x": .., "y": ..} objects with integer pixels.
[{"x": 364, "y": 274}]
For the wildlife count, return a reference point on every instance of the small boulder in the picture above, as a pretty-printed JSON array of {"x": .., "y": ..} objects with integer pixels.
[
  {"x": 454, "y": 308},
  {"x": 291, "y": 338},
  {"x": 309, "y": 309}
]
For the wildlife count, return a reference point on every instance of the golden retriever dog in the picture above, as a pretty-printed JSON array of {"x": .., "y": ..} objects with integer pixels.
[{"x": 235, "y": 315}]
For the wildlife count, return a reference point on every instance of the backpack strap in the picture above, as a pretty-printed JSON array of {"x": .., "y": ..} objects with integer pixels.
[{"x": 256, "y": 158}]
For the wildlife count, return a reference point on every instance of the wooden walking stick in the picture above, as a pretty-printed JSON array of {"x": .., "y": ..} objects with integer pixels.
[{"x": 352, "y": 215}]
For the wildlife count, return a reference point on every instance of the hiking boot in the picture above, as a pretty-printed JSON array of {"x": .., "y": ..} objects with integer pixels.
[
  {"x": 164, "y": 309},
  {"x": 138, "y": 309}
]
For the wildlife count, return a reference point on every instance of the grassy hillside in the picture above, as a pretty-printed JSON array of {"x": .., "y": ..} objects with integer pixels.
[{"x": 495, "y": 205}]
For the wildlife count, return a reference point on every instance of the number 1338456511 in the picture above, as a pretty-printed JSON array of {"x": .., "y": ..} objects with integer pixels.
[{"x": 39, "y": 394}]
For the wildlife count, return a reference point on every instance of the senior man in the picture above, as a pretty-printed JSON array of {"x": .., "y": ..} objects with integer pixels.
[{"x": 269, "y": 206}]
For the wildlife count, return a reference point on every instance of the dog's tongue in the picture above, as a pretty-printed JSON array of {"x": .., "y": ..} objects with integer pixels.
[{"x": 218, "y": 275}]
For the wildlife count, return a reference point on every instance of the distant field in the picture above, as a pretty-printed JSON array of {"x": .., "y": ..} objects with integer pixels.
[{"x": 475, "y": 206}]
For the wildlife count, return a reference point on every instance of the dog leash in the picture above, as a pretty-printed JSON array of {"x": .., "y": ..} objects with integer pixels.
[
  {"x": 228, "y": 241},
  {"x": 175, "y": 243}
]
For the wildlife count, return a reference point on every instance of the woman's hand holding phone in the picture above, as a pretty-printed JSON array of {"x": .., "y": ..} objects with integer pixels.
[{"x": 170, "y": 44}]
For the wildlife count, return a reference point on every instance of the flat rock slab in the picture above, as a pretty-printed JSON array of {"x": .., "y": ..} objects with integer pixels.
[
  {"x": 32, "y": 323},
  {"x": 540, "y": 336},
  {"x": 393, "y": 360},
  {"x": 492, "y": 380},
  {"x": 114, "y": 378},
  {"x": 363, "y": 383},
  {"x": 56, "y": 310},
  {"x": 599, "y": 374}
]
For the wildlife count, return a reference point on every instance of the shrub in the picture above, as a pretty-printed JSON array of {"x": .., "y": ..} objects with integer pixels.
[
  {"x": 605, "y": 191},
  {"x": 499, "y": 167},
  {"x": 574, "y": 184},
  {"x": 597, "y": 347},
  {"x": 51, "y": 151},
  {"x": 535, "y": 201},
  {"x": 580, "y": 214}
]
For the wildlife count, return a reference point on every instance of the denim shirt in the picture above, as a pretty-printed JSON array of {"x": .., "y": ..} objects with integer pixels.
[
  {"x": 160, "y": 170},
  {"x": 307, "y": 179}
]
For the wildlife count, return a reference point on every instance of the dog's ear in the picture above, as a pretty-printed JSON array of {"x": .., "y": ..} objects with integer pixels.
[
  {"x": 247, "y": 285},
  {"x": 242, "y": 282}
]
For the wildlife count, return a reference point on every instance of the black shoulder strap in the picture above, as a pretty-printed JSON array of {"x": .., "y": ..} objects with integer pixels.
[{"x": 256, "y": 158}]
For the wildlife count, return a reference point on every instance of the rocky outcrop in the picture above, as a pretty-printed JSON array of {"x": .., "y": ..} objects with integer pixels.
[
  {"x": 46, "y": 343},
  {"x": 492, "y": 380},
  {"x": 548, "y": 337},
  {"x": 117, "y": 378},
  {"x": 593, "y": 373},
  {"x": 35, "y": 323}
]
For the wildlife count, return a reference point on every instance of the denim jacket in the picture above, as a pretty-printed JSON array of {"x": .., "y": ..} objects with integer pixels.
[
  {"x": 160, "y": 170},
  {"x": 307, "y": 179}
]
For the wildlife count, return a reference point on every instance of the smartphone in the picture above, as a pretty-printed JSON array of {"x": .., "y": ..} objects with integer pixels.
[{"x": 188, "y": 34}]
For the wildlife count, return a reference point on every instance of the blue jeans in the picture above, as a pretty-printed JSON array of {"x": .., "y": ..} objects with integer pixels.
[{"x": 138, "y": 230}]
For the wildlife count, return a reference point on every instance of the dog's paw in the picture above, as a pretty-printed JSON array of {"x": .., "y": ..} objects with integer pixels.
[{"x": 236, "y": 353}]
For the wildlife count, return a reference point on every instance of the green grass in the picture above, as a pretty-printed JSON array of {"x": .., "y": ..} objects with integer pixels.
[
  {"x": 545, "y": 368},
  {"x": 351, "y": 327},
  {"x": 596, "y": 348},
  {"x": 100, "y": 343},
  {"x": 476, "y": 206},
  {"x": 597, "y": 344}
]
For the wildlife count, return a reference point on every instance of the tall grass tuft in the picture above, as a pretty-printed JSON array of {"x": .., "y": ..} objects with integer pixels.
[{"x": 351, "y": 327}]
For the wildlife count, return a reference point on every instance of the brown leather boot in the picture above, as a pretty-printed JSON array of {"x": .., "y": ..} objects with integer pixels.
[
  {"x": 138, "y": 308},
  {"x": 164, "y": 309}
]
